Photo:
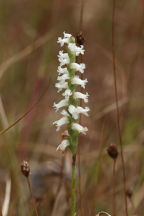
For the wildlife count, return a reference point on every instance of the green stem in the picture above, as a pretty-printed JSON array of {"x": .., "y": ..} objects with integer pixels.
[{"x": 73, "y": 202}]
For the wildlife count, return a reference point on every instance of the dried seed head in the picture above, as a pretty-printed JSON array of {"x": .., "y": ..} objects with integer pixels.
[
  {"x": 25, "y": 168},
  {"x": 112, "y": 151},
  {"x": 80, "y": 38},
  {"x": 129, "y": 193}
]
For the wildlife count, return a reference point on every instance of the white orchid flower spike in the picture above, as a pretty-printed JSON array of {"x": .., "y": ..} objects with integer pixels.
[{"x": 68, "y": 81}]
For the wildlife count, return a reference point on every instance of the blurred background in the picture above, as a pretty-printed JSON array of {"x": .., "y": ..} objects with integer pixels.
[{"x": 28, "y": 71}]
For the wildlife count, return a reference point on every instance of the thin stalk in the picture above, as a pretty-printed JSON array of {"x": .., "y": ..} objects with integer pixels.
[
  {"x": 132, "y": 206},
  {"x": 32, "y": 196},
  {"x": 0, "y": 210},
  {"x": 60, "y": 182},
  {"x": 61, "y": 174},
  {"x": 99, "y": 161},
  {"x": 79, "y": 185},
  {"x": 79, "y": 160},
  {"x": 81, "y": 15},
  {"x": 67, "y": 195},
  {"x": 73, "y": 201},
  {"x": 114, "y": 188},
  {"x": 117, "y": 107},
  {"x": 81, "y": 60},
  {"x": 27, "y": 112}
]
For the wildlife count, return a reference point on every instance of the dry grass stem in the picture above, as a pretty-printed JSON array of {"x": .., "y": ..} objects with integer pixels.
[
  {"x": 6, "y": 202},
  {"x": 32, "y": 196},
  {"x": 3, "y": 114},
  {"x": 25, "y": 52},
  {"x": 117, "y": 107},
  {"x": 110, "y": 108},
  {"x": 25, "y": 114}
]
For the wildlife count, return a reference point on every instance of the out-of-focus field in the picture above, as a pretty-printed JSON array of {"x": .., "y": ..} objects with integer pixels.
[{"x": 28, "y": 71}]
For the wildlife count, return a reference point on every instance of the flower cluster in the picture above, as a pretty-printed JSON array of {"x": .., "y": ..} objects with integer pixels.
[{"x": 67, "y": 83}]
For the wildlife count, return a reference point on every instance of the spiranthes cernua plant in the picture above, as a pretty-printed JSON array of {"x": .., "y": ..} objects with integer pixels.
[{"x": 68, "y": 83}]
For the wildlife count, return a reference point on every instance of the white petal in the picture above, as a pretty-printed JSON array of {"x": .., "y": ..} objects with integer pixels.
[
  {"x": 78, "y": 67},
  {"x": 64, "y": 144},
  {"x": 67, "y": 93},
  {"x": 63, "y": 41},
  {"x": 61, "y": 85},
  {"x": 79, "y": 128},
  {"x": 63, "y": 58},
  {"x": 64, "y": 113},
  {"x": 76, "y": 80},
  {"x": 79, "y": 95},
  {"x": 60, "y": 122},
  {"x": 74, "y": 112},
  {"x": 75, "y": 49},
  {"x": 83, "y": 111},
  {"x": 67, "y": 35},
  {"x": 62, "y": 103},
  {"x": 63, "y": 77},
  {"x": 62, "y": 70}
]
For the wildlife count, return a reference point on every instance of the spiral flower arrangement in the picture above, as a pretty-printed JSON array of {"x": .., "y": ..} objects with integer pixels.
[{"x": 68, "y": 81}]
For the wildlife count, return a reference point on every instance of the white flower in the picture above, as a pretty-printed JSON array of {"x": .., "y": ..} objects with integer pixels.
[
  {"x": 83, "y": 111},
  {"x": 63, "y": 41},
  {"x": 76, "y": 80},
  {"x": 61, "y": 85},
  {"x": 64, "y": 113},
  {"x": 78, "y": 67},
  {"x": 63, "y": 77},
  {"x": 69, "y": 81},
  {"x": 67, "y": 93},
  {"x": 60, "y": 122},
  {"x": 75, "y": 111},
  {"x": 64, "y": 144},
  {"x": 66, "y": 35},
  {"x": 63, "y": 58},
  {"x": 62, "y": 70},
  {"x": 79, "y": 95},
  {"x": 75, "y": 49},
  {"x": 79, "y": 128},
  {"x": 62, "y": 103}
]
